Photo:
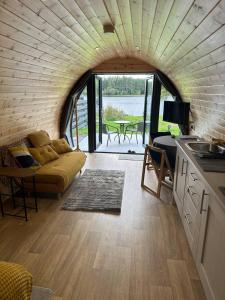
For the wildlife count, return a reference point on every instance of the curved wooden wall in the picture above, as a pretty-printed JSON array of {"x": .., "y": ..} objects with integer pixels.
[
  {"x": 45, "y": 46},
  {"x": 124, "y": 65}
]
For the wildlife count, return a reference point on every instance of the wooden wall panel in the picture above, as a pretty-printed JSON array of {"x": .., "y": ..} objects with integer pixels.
[
  {"x": 46, "y": 45},
  {"x": 125, "y": 64}
]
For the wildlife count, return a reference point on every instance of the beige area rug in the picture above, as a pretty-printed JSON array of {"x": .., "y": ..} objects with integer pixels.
[{"x": 40, "y": 293}]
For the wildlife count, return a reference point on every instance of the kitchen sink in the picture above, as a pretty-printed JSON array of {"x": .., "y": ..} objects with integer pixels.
[
  {"x": 205, "y": 147},
  {"x": 198, "y": 146}
]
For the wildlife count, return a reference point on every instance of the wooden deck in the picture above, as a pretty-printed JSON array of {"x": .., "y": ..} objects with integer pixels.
[{"x": 140, "y": 254}]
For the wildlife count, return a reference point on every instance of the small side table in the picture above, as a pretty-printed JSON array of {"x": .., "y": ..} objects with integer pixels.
[{"x": 20, "y": 173}]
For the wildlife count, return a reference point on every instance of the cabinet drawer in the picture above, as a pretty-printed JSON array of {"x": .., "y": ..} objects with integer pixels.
[
  {"x": 194, "y": 186},
  {"x": 189, "y": 219},
  {"x": 193, "y": 194},
  {"x": 180, "y": 180}
]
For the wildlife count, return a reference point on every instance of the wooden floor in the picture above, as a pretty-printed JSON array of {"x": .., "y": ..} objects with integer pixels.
[{"x": 140, "y": 254}]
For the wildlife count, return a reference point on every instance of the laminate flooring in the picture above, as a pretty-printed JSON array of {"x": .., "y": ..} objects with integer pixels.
[{"x": 140, "y": 254}]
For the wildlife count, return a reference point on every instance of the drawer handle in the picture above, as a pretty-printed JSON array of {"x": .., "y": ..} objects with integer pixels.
[
  {"x": 187, "y": 218},
  {"x": 191, "y": 192},
  {"x": 202, "y": 201},
  {"x": 182, "y": 168},
  {"x": 192, "y": 177}
]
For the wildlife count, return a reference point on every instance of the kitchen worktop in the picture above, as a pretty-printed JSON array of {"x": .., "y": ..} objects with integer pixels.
[{"x": 213, "y": 179}]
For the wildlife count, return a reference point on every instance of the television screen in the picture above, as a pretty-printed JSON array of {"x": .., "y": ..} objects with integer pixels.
[{"x": 176, "y": 112}]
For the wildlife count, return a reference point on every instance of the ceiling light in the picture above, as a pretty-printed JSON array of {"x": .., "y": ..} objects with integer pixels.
[{"x": 108, "y": 28}]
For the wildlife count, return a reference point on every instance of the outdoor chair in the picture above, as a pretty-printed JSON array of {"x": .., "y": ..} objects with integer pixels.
[
  {"x": 161, "y": 166},
  {"x": 134, "y": 129},
  {"x": 109, "y": 129}
]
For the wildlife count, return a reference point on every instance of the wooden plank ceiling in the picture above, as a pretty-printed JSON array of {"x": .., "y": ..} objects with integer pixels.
[{"x": 45, "y": 46}]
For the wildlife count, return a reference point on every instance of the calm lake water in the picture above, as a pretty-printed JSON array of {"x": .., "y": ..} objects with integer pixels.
[{"x": 131, "y": 105}]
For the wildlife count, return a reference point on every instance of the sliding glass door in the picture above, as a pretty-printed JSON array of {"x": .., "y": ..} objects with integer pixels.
[
  {"x": 98, "y": 110},
  {"x": 82, "y": 113},
  {"x": 147, "y": 109}
]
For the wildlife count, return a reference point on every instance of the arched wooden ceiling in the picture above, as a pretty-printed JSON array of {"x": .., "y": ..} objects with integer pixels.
[{"x": 45, "y": 46}]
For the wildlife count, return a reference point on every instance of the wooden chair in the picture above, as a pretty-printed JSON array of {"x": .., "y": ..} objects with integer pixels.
[
  {"x": 160, "y": 164},
  {"x": 152, "y": 136}
]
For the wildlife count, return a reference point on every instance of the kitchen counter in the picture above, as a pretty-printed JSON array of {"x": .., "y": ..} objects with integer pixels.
[{"x": 213, "y": 179}]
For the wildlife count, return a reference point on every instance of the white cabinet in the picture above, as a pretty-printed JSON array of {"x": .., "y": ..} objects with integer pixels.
[
  {"x": 190, "y": 220},
  {"x": 211, "y": 249},
  {"x": 191, "y": 216},
  {"x": 180, "y": 179},
  {"x": 203, "y": 219}
]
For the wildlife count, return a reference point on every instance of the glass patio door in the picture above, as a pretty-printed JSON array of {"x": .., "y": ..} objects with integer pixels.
[
  {"x": 98, "y": 110},
  {"x": 147, "y": 110}
]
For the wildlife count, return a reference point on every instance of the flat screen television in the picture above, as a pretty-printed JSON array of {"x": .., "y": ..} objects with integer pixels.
[{"x": 176, "y": 112}]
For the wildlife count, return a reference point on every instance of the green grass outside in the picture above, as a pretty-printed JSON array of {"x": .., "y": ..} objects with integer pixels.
[
  {"x": 134, "y": 119},
  {"x": 163, "y": 126}
]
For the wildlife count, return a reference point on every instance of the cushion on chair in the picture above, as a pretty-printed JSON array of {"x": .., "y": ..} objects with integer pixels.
[
  {"x": 23, "y": 156},
  {"x": 39, "y": 138},
  {"x": 155, "y": 156},
  {"x": 61, "y": 146},
  {"x": 15, "y": 282},
  {"x": 44, "y": 154}
]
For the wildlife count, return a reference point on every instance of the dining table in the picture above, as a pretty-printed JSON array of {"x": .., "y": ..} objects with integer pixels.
[{"x": 122, "y": 124}]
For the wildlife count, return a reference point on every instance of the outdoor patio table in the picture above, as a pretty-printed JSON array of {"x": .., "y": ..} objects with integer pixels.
[{"x": 122, "y": 124}]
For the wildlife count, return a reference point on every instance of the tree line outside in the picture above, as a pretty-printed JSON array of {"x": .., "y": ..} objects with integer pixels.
[
  {"x": 125, "y": 85},
  {"x": 120, "y": 86}
]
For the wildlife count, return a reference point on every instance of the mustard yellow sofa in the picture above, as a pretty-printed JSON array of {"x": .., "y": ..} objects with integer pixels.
[
  {"x": 56, "y": 163},
  {"x": 62, "y": 163},
  {"x": 56, "y": 175}
]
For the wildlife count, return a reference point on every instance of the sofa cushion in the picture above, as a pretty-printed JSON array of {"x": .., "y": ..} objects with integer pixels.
[
  {"x": 44, "y": 154},
  {"x": 7, "y": 160},
  {"x": 59, "y": 173},
  {"x": 39, "y": 138},
  {"x": 23, "y": 157},
  {"x": 61, "y": 146}
]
